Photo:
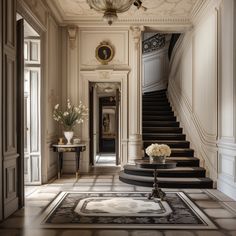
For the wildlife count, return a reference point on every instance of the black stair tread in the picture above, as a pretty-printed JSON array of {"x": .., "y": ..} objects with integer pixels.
[
  {"x": 165, "y": 141},
  {"x": 155, "y": 102},
  {"x": 156, "y": 91},
  {"x": 166, "y": 179},
  {"x": 171, "y": 143},
  {"x": 157, "y": 108},
  {"x": 181, "y": 158},
  {"x": 179, "y": 171},
  {"x": 158, "y": 118},
  {"x": 158, "y": 113},
  {"x": 176, "y": 169},
  {"x": 150, "y": 136},
  {"x": 160, "y": 123},
  {"x": 167, "y": 182},
  {"x": 162, "y": 129},
  {"x": 185, "y": 161},
  {"x": 163, "y": 135},
  {"x": 181, "y": 149},
  {"x": 158, "y": 100},
  {"x": 155, "y": 95}
]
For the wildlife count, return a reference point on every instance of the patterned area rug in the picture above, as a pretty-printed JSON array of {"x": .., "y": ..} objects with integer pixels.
[{"x": 124, "y": 210}]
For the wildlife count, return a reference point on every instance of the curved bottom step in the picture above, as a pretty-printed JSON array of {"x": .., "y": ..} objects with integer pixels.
[
  {"x": 166, "y": 182},
  {"x": 194, "y": 172}
]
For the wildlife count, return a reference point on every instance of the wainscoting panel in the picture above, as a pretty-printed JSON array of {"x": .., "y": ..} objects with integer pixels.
[
  {"x": 10, "y": 155},
  {"x": 10, "y": 189},
  {"x": 9, "y": 128}
]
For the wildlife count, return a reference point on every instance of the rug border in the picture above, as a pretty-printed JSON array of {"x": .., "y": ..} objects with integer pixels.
[{"x": 40, "y": 222}]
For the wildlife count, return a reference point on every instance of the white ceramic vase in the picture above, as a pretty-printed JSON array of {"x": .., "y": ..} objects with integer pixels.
[{"x": 68, "y": 135}]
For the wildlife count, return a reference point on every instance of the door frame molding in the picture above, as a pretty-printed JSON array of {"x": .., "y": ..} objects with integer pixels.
[
  {"x": 1, "y": 112},
  {"x": 20, "y": 106},
  {"x": 121, "y": 76},
  {"x": 34, "y": 22}
]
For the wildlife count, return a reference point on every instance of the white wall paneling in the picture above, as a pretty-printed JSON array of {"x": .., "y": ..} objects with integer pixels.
[
  {"x": 9, "y": 148},
  {"x": 91, "y": 38},
  {"x": 135, "y": 94},
  {"x": 227, "y": 99},
  {"x": 193, "y": 88},
  {"x": 155, "y": 70},
  {"x": 82, "y": 63}
]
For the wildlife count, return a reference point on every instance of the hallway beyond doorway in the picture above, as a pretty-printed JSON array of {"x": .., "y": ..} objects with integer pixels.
[{"x": 107, "y": 159}]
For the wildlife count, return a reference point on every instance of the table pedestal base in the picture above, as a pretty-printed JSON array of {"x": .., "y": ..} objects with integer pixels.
[{"x": 156, "y": 191}]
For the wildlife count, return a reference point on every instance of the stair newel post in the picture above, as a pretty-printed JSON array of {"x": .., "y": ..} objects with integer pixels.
[{"x": 135, "y": 95}]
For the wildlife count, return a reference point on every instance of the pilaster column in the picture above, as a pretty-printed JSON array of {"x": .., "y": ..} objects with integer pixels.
[
  {"x": 135, "y": 95},
  {"x": 72, "y": 64},
  {"x": 73, "y": 87}
]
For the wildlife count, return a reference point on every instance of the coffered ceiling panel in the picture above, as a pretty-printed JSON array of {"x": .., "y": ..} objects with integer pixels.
[{"x": 78, "y": 11}]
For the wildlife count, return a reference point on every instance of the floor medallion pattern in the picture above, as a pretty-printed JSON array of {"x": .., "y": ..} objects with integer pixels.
[{"x": 123, "y": 210}]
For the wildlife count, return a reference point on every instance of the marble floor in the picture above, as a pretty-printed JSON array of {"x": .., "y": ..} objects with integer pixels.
[
  {"x": 106, "y": 159},
  {"x": 220, "y": 208}
]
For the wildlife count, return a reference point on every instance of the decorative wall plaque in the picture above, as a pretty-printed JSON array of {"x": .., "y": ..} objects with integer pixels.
[{"x": 104, "y": 52}]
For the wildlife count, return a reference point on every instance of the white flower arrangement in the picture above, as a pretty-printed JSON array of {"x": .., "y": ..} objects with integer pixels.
[
  {"x": 71, "y": 116},
  {"x": 158, "y": 150}
]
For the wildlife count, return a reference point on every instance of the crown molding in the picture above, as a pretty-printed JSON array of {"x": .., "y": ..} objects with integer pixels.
[
  {"x": 54, "y": 10},
  {"x": 39, "y": 23},
  {"x": 162, "y": 20},
  {"x": 202, "y": 9}
]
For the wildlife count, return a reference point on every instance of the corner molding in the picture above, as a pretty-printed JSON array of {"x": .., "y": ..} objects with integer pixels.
[
  {"x": 137, "y": 33},
  {"x": 26, "y": 11}
]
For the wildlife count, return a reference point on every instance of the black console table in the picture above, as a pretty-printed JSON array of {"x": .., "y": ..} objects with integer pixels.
[
  {"x": 148, "y": 164},
  {"x": 61, "y": 148}
]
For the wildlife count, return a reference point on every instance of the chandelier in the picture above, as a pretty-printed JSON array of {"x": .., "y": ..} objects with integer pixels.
[{"x": 110, "y": 8}]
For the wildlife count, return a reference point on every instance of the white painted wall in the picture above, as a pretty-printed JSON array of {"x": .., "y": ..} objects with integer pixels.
[
  {"x": 193, "y": 88},
  {"x": 227, "y": 99},
  {"x": 155, "y": 70}
]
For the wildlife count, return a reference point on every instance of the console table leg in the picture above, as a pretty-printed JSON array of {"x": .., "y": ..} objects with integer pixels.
[
  {"x": 77, "y": 164},
  {"x": 59, "y": 164}
]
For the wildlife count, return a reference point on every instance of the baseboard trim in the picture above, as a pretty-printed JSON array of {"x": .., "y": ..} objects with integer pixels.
[{"x": 227, "y": 188}]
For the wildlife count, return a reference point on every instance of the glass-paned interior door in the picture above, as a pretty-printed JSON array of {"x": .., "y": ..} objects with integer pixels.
[{"x": 32, "y": 162}]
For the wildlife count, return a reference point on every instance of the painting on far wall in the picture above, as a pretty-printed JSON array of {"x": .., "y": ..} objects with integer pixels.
[{"x": 108, "y": 122}]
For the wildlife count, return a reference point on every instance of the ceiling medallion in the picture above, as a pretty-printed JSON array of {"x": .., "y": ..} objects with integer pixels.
[{"x": 110, "y": 8}]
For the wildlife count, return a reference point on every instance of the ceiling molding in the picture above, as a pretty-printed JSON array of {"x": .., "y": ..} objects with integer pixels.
[
  {"x": 159, "y": 13},
  {"x": 202, "y": 10},
  {"x": 55, "y": 11}
]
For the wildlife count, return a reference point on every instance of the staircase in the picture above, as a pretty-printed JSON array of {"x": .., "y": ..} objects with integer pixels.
[{"x": 160, "y": 126}]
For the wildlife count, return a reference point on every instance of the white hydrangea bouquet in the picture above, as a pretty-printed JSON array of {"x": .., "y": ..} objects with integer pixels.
[
  {"x": 158, "y": 152},
  {"x": 71, "y": 116}
]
